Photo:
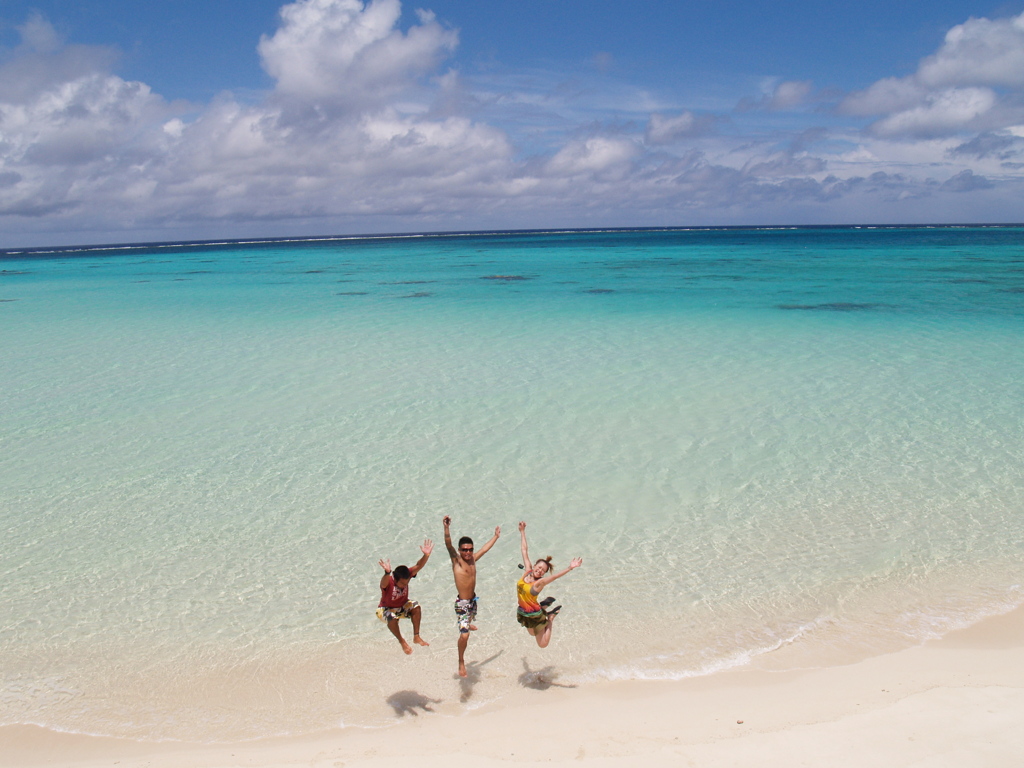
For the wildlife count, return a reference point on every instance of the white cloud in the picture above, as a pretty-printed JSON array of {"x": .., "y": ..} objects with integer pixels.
[
  {"x": 779, "y": 96},
  {"x": 939, "y": 113},
  {"x": 594, "y": 156},
  {"x": 41, "y": 62},
  {"x": 790, "y": 94},
  {"x": 341, "y": 50},
  {"x": 958, "y": 88},
  {"x": 978, "y": 52},
  {"x": 84, "y": 142},
  {"x": 38, "y": 34},
  {"x": 663, "y": 129},
  {"x": 886, "y": 96}
]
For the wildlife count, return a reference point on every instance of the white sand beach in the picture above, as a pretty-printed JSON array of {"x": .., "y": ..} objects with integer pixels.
[{"x": 956, "y": 701}]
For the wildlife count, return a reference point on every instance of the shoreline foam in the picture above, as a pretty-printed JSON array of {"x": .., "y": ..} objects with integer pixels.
[{"x": 955, "y": 700}]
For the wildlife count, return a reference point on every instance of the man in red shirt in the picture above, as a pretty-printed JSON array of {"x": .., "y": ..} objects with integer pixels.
[{"x": 394, "y": 597}]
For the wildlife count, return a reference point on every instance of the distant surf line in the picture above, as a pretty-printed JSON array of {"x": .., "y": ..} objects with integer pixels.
[{"x": 100, "y": 249}]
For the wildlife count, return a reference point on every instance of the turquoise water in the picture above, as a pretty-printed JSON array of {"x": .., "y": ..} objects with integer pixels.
[{"x": 765, "y": 444}]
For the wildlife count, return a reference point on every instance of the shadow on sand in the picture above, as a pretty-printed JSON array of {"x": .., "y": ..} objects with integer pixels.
[
  {"x": 410, "y": 702},
  {"x": 473, "y": 677},
  {"x": 540, "y": 679}
]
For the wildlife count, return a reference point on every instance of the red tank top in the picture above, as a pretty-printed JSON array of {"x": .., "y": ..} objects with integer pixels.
[{"x": 394, "y": 596}]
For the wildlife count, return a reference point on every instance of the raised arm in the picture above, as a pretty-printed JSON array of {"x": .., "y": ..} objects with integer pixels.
[
  {"x": 385, "y": 580},
  {"x": 541, "y": 583},
  {"x": 426, "y": 549},
  {"x": 452, "y": 553},
  {"x": 483, "y": 550},
  {"x": 527, "y": 562}
]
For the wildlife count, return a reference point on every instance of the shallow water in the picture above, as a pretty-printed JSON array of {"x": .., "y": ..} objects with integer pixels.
[{"x": 755, "y": 439}]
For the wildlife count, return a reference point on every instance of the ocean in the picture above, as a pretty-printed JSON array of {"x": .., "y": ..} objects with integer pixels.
[{"x": 779, "y": 446}]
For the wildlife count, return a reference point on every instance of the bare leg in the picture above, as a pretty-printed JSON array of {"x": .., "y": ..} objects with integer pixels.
[
  {"x": 393, "y": 626},
  {"x": 463, "y": 642},
  {"x": 545, "y": 636},
  {"x": 416, "y": 614}
]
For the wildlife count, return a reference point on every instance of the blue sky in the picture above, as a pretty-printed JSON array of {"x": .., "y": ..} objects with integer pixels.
[{"x": 126, "y": 121}]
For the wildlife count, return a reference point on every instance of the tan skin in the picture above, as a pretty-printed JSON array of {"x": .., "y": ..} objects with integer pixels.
[
  {"x": 385, "y": 581},
  {"x": 538, "y": 576},
  {"x": 464, "y": 561}
]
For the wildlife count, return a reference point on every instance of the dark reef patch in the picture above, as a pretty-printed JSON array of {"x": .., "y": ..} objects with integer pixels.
[
  {"x": 505, "y": 278},
  {"x": 833, "y": 306},
  {"x": 352, "y": 293},
  {"x": 417, "y": 295},
  {"x": 599, "y": 290}
]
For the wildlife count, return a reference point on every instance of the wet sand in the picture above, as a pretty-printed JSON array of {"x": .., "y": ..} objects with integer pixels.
[{"x": 954, "y": 701}]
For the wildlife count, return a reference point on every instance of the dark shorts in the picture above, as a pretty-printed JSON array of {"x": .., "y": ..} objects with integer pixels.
[{"x": 532, "y": 620}]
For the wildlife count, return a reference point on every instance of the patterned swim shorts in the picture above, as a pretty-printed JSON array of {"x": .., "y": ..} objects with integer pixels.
[
  {"x": 405, "y": 612},
  {"x": 465, "y": 613}
]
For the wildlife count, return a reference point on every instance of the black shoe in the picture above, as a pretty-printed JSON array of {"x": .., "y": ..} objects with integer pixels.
[
  {"x": 546, "y": 602},
  {"x": 553, "y": 612}
]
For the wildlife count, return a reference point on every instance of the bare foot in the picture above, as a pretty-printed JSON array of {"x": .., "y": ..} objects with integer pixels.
[
  {"x": 406, "y": 647},
  {"x": 472, "y": 628},
  {"x": 462, "y": 670},
  {"x": 419, "y": 640}
]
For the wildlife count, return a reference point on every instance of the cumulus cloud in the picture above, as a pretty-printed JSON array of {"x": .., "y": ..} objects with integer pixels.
[
  {"x": 601, "y": 156},
  {"x": 38, "y": 34},
  {"x": 968, "y": 84},
  {"x": 67, "y": 124},
  {"x": 41, "y": 61},
  {"x": 940, "y": 113},
  {"x": 978, "y": 52},
  {"x": 326, "y": 141},
  {"x": 341, "y": 50}
]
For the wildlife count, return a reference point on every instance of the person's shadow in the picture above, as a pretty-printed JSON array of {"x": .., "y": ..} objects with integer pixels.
[
  {"x": 540, "y": 679},
  {"x": 473, "y": 677},
  {"x": 409, "y": 702}
]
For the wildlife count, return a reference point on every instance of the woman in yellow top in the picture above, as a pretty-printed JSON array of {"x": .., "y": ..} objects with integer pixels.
[{"x": 531, "y": 612}]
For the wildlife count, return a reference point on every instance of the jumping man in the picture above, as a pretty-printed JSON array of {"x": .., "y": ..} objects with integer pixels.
[
  {"x": 464, "y": 569},
  {"x": 394, "y": 597}
]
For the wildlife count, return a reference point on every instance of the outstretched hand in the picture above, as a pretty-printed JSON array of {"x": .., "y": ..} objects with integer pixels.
[
  {"x": 385, "y": 564},
  {"x": 497, "y": 531},
  {"x": 522, "y": 526},
  {"x": 428, "y": 547},
  {"x": 576, "y": 563},
  {"x": 446, "y": 521}
]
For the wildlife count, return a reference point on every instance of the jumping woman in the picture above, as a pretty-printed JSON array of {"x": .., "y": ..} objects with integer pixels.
[{"x": 531, "y": 612}]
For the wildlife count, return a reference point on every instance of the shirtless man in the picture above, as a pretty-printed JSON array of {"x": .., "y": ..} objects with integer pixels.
[
  {"x": 464, "y": 569},
  {"x": 394, "y": 597}
]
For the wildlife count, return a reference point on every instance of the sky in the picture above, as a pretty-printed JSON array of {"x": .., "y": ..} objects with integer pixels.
[{"x": 128, "y": 121}]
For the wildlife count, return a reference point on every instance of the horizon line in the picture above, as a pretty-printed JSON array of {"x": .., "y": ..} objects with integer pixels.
[{"x": 227, "y": 242}]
